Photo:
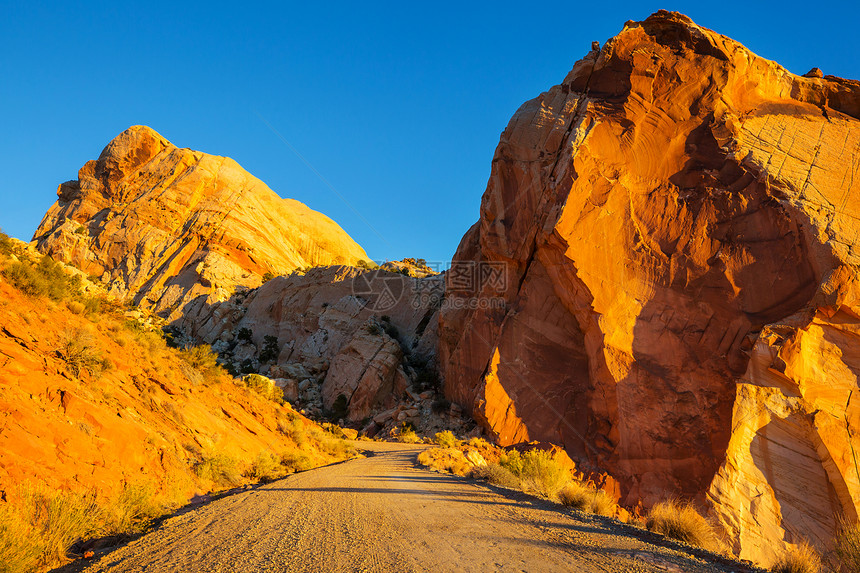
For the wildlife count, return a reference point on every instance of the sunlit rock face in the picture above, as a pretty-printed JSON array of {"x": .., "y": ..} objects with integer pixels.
[
  {"x": 677, "y": 221},
  {"x": 165, "y": 225}
]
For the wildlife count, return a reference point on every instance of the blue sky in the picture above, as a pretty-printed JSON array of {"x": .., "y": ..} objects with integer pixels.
[{"x": 399, "y": 106}]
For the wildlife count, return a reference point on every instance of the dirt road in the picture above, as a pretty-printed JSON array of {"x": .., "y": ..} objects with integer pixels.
[{"x": 382, "y": 513}]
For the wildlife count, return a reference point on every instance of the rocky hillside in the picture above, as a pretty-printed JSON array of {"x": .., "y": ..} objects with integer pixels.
[
  {"x": 344, "y": 342},
  {"x": 103, "y": 425},
  {"x": 675, "y": 300},
  {"x": 164, "y": 226}
]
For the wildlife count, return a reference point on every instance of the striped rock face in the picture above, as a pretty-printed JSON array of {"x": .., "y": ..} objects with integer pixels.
[
  {"x": 165, "y": 226},
  {"x": 676, "y": 225}
]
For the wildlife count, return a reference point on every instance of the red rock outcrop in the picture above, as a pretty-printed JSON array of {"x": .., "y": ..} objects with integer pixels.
[
  {"x": 146, "y": 418},
  {"x": 165, "y": 225},
  {"x": 676, "y": 223}
]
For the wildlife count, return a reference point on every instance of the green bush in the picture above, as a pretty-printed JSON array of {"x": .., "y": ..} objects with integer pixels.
[
  {"x": 543, "y": 474},
  {"x": 245, "y": 334},
  {"x": 512, "y": 461},
  {"x": 446, "y": 439},
  {"x": 270, "y": 349},
  {"x": 44, "y": 278}
]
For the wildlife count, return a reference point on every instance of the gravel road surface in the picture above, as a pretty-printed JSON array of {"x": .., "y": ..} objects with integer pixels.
[{"x": 383, "y": 513}]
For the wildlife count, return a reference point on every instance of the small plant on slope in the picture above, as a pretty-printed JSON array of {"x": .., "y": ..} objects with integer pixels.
[
  {"x": 682, "y": 522},
  {"x": 799, "y": 559}
]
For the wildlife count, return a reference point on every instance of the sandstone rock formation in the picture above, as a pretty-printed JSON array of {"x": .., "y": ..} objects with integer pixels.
[
  {"x": 164, "y": 226},
  {"x": 369, "y": 336},
  {"x": 665, "y": 272},
  {"x": 146, "y": 418}
]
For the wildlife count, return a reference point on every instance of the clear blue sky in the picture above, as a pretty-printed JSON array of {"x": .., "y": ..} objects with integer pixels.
[{"x": 399, "y": 106}]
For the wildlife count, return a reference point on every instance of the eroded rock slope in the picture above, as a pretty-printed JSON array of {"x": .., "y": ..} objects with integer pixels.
[
  {"x": 164, "y": 226},
  {"x": 678, "y": 223}
]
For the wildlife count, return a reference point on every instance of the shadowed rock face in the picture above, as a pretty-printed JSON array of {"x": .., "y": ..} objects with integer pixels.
[
  {"x": 677, "y": 220},
  {"x": 165, "y": 225}
]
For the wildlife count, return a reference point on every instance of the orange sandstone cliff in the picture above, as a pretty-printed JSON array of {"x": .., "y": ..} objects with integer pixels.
[
  {"x": 678, "y": 223},
  {"x": 165, "y": 226}
]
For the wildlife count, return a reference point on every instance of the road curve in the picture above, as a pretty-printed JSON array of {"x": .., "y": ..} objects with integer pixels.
[{"x": 382, "y": 513}]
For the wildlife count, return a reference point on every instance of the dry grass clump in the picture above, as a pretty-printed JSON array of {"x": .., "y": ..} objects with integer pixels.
[
  {"x": 848, "y": 545},
  {"x": 38, "y": 526},
  {"x": 219, "y": 469},
  {"x": 445, "y": 460},
  {"x": 539, "y": 471},
  {"x": 80, "y": 351},
  {"x": 446, "y": 439},
  {"x": 681, "y": 521},
  {"x": 585, "y": 498},
  {"x": 496, "y": 474},
  {"x": 801, "y": 558}
]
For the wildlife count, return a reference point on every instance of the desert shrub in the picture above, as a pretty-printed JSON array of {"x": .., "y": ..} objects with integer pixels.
[
  {"x": 42, "y": 525},
  {"x": 391, "y": 330},
  {"x": 267, "y": 276},
  {"x": 543, "y": 474},
  {"x": 270, "y": 349},
  {"x": 848, "y": 545},
  {"x": 6, "y": 245},
  {"x": 75, "y": 307},
  {"x": 296, "y": 461},
  {"x": 445, "y": 460},
  {"x": 446, "y": 439},
  {"x": 247, "y": 367},
  {"x": 245, "y": 334},
  {"x": 496, "y": 474},
  {"x": 219, "y": 468},
  {"x": 78, "y": 349},
  {"x": 337, "y": 448},
  {"x": 584, "y": 498},
  {"x": 407, "y": 435},
  {"x": 134, "y": 508},
  {"x": 801, "y": 558},
  {"x": 512, "y": 461},
  {"x": 266, "y": 467},
  {"x": 202, "y": 359},
  {"x": 295, "y": 430},
  {"x": 43, "y": 278},
  {"x": 373, "y": 329},
  {"x": 680, "y": 521}
]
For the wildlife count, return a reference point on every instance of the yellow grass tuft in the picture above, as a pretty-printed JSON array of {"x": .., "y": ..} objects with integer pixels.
[
  {"x": 681, "y": 521},
  {"x": 589, "y": 499},
  {"x": 801, "y": 558}
]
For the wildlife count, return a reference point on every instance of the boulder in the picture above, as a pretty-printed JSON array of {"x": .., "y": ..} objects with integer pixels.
[{"x": 662, "y": 280}]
